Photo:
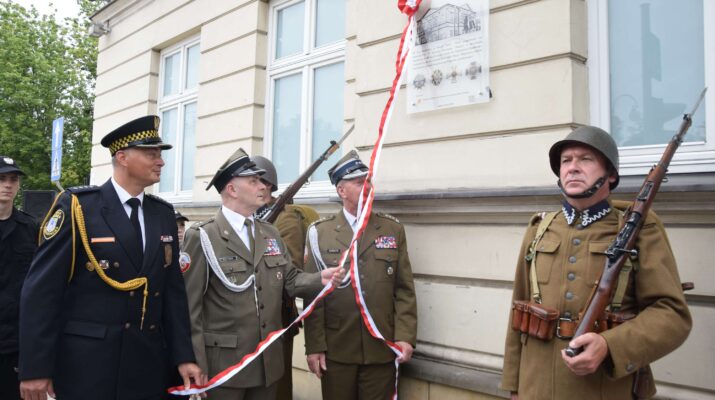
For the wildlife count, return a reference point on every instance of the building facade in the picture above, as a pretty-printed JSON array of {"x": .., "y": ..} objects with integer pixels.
[{"x": 282, "y": 78}]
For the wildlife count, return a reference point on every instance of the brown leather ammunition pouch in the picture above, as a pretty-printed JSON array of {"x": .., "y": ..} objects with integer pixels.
[
  {"x": 534, "y": 319},
  {"x": 520, "y": 316},
  {"x": 613, "y": 319},
  {"x": 542, "y": 321}
]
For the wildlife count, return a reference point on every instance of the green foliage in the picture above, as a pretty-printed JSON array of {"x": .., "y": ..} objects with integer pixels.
[{"x": 47, "y": 70}]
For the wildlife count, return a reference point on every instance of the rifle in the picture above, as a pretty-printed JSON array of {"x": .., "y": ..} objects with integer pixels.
[
  {"x": 623, "y": 245},
  {"x": 270, "y": 214}
]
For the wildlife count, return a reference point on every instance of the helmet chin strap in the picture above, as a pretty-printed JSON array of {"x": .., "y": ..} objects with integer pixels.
[{"x": 586, "y": 193}]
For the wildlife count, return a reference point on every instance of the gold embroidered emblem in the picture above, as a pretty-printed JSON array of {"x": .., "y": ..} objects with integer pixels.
[{"x": 53, "y": 225}]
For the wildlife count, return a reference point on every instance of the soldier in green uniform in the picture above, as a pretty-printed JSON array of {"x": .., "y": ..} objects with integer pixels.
[
  {"x": 292, "y": 224},
  {"x": 340, "y": 351},
  {"x": 569, "y": 257},
  {"x": 236, "y": 272}
]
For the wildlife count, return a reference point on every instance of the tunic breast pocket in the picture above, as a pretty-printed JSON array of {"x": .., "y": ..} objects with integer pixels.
[
  {"x": 596, "y": 261},
  {"x": 386, "y": 265},
  {"x": 545, "y": 259},
  {"x": 276, "y": 266},
  {"x": 234, "y": 268}
]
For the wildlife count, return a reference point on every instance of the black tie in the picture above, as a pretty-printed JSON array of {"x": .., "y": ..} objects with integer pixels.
[{"x": 134, "y": 203}]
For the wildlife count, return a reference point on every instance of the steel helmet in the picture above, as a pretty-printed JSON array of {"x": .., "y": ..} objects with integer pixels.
[
  {"x": 594, "y": 137},
  {"x": 270, "y": 176}
]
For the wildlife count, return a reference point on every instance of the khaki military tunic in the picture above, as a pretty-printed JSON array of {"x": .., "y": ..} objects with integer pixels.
[
  {"x": 569, "y": 261},
  {"x": 226, "y": 325},
  {"x": 335, "y": 327}
]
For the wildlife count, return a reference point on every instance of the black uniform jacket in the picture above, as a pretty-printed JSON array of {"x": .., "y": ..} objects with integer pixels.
[
  {"x": 19, "y": 240},
  {"x": 86, "y": 335}
]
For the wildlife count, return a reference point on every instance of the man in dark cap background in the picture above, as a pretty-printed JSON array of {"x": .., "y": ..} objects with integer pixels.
[
  {"x": 292, "y": 223},
  {"x": 18, "y": 234},
  {"x": 180, "y": 226},
  {"x": 340, "y": 351},
  {"x": 238, "y": 270},
  {"x": 566, "y": 261},
  {"x": 106, "y": 323}
]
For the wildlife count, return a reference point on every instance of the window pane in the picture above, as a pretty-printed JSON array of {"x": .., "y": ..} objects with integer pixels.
[
  {"x": 327, "y": 112},
  {"x": 286, "y": 127},
  {"x": 171, "y": 74},
  {"x": 657, "y": 71},
  {"x": 289, "y": 30},
  {"x": 192, "y": 66},
  {"x": 188, "y": 147},
  {"x": 168, "y": 135},
  {"x": 330, "y": 18}
]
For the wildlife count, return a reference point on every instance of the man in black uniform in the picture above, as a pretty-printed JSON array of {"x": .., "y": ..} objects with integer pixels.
[
  {"x": 18, "y": 234},
  {"x": 103, "y": 309}
]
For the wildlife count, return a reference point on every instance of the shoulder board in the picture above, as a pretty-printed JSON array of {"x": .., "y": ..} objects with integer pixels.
[
  {"x": 25, "y": 216},
  {"x": 199, "y": 224},
  {"x": 328, "y": 218},
  {"x": 388, "y": 216},
  {"x": 536, "y": 218},
  {"x": 160, "y": 200},
  {"x": 83, "y": 189}
]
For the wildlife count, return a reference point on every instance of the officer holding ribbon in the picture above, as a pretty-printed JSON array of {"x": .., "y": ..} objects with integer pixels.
[
  {"x": 350, "y": 362},
  {"x": 236, "y": 273},
  {"x": 103, "y": 309}
]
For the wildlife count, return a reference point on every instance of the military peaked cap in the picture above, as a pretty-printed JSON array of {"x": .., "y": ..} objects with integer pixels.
[
  {"x": 179, "y": 217},
  {"x": 349, "y": 167},
  {"x": 141, "y": 132},
  {"x": 239, "y": 164}
]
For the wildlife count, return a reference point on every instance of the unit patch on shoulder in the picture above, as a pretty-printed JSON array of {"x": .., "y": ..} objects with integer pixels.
[
  {"x": 53, "y": 225},
  {"x": 385, "y": 242},
  {"x": 184, "y": 261}
]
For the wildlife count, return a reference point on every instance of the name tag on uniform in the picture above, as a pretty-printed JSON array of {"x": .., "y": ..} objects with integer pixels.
[
  {"x": 272, "y": 248},
  {"x": 386, "y": 242},
  {"x": 333, "y": 251},
  {"x": 109, "y": 239}
]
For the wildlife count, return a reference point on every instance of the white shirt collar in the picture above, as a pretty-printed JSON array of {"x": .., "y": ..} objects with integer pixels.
[
  {"x": 123, "y": 194},
  {"x": 236, "y": 220},
  {"x": 352, "y": 220}
]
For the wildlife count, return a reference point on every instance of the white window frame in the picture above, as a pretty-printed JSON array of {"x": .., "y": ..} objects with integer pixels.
[
  {"x": 305, "y": 62},
  {"x": 179, "y": 101},
  {"x": 637, "y": 160}
]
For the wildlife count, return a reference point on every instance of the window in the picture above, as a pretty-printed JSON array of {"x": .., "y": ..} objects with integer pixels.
[
  {"x": 306, "y": 84},
  {"x": 178, "y": 91},
  {"x": 648, "y": 62}
]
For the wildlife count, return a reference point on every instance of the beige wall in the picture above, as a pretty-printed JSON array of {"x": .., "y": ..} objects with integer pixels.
[{"x": 464, "y": 181}]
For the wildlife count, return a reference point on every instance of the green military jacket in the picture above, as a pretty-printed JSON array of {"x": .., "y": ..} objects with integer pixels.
[
  {"x": 292, "y": 223},
  {"x": 569, "y": 260},
  {"x": 225, "y": 325},
  {"x": 335, "y": 327}
]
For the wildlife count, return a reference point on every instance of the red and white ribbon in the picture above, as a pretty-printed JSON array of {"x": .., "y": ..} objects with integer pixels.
[{"x": 408, "y": 7}]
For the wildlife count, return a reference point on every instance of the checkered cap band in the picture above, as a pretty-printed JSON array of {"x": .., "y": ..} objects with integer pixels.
[{"x": 132, "y": 138}]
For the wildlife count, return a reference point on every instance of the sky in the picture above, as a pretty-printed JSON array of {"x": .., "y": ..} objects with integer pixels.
[{"x": 65, "y": 8}]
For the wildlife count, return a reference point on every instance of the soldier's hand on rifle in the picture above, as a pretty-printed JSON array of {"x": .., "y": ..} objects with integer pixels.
[
  {"x": 595, "y": 350},
  {"x": 334, "y": 275}
]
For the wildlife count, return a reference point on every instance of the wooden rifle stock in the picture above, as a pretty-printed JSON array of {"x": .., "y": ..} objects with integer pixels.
[
  {"x": 624, "y": 244},
  {"x": 270, "y": 214}
]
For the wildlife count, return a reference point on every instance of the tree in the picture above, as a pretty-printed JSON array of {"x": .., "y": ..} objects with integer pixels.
[{"x": 47, "y": 70}]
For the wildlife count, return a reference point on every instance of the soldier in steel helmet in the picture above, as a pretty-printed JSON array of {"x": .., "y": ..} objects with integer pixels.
[
  {"x": 292, "y": 223},
  {"x": 561, "y": 258}
]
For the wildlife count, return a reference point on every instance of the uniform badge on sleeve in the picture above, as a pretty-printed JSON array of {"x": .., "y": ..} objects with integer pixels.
[
  {"x": 272, "y": 248},
  {"x": 385, "y": 242},
  {"x": 53, "y": 225},
  {"x": 184, "y": 261}
]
